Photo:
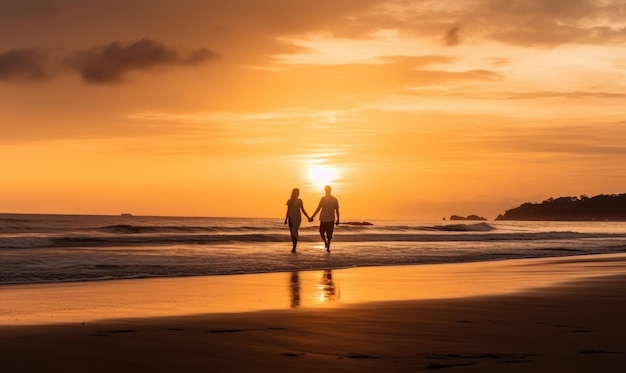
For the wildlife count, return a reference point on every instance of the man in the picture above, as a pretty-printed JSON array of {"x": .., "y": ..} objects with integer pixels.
[{"x": 329, "y": 206}]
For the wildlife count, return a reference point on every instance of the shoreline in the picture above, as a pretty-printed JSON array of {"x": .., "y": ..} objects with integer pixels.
[
  {"x": 88, "y": 301},
  {"x": 339, "y": 268},
  {"x": 539, "y": 315}
]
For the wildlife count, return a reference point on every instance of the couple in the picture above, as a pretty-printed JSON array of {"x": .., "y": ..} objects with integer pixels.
[{"x": 329, "y": 206}]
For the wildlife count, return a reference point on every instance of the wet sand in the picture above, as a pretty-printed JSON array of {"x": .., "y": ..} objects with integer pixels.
[{"x": 539, "y": 315}]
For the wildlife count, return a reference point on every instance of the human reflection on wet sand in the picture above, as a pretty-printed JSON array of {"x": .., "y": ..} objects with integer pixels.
[
  {"x": 327, "y": 291},
  {"x": 294, "y": 285}
]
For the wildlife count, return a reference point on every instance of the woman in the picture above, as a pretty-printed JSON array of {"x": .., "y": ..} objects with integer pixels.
[{"x": 294, "y": 206}]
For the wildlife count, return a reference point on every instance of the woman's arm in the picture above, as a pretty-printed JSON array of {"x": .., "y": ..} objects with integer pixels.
[{"x": 304, "y": 212}]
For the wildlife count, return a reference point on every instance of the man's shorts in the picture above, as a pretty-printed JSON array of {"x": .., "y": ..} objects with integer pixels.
[{"x": 327, "y": 227}]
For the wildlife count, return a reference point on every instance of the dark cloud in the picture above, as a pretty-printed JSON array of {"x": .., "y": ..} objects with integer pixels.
[
  {"x": 111, "y": 62},
  {"x": 451, "y": 37},
  {"x": 23, "y": 65}
]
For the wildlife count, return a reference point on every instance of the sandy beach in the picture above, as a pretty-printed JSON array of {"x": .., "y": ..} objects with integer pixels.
[{"x": 540, "y": 315}]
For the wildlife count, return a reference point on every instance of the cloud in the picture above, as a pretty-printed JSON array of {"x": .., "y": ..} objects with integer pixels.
[
  {"x": 550, "y": 23},
  {"x": 498, "y": 61},
  {"x": 105, "y": 64},
  {"x": 451, "y": 37},
  {"x": 42, "y": 9},
  {"x": 596, "y": 139},
  {"x": 532, "y": 95},
  {"x": 533, "y": 23},
  {"x": 344, "y": 85},
  {"x": 412, "y": 62},
  {"x": 28, "y": 9},
  {"x": 572, "y": 95},
  {"x": 110, "y": 63},
  {"x": 23, "y": 65}
]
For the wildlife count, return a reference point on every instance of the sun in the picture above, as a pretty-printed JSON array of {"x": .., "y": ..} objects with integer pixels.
[{"x": 320, "y": 175}]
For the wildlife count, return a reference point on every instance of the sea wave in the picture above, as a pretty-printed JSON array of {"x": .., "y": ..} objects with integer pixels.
[
  {"x": 161, "y": 239},
  {"x": 26, "y": 242},
  {"x": 53, "y": 248},
  {"x": 266, "y": 228},
  {"x": 478, "y": 227},
  {"x": 130, "y": 229}
]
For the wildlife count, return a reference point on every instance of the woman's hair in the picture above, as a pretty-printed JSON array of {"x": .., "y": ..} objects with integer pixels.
[{"x": 294, "y": 196}]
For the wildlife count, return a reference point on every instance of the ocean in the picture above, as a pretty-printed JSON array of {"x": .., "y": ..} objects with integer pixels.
[{"x": 60, "y": 248}]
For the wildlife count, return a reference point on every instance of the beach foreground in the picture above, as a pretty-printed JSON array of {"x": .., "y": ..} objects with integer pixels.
[{"x": 539, "y": 315}]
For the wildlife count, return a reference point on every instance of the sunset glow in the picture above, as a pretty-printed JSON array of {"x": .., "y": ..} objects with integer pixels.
[
  {"x": 410, "y": 110},
  {"x": 321, "y": 175}
]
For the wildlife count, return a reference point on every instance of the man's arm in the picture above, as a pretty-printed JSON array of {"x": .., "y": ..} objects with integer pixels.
[
  {"x": 337, "y": 212},
  {"x": 319, "y": 207}
]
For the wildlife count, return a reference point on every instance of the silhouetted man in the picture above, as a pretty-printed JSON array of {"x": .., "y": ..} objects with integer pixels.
[{"x": 330, "y": 207}]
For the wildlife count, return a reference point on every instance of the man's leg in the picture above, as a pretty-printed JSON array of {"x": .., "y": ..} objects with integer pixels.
[
  {"x": 324, "y": 238},
  {"x": 323, "y": 234},
  {"x": 329, "y": 234}
]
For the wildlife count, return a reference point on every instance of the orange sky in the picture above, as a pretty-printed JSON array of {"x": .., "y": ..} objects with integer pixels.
[{"x": 409, "y": 109}]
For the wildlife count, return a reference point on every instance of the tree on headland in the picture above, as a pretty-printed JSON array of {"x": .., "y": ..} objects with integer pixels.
[{"x": 602, "y": 207}]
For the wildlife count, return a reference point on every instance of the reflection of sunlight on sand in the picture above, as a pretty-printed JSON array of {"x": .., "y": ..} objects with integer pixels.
[
  {"x": 320, "y": 247},
  {"x": 327, "y": 292}
]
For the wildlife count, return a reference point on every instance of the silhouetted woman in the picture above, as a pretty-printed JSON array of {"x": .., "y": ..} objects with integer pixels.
[{"x": 294, "y": 206}]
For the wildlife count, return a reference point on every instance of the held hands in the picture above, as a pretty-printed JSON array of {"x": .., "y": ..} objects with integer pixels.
[{"x": 310, "y": 220}]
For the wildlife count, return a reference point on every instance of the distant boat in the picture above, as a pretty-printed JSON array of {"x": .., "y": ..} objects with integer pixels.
[{"x": 126, "y": 214}]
